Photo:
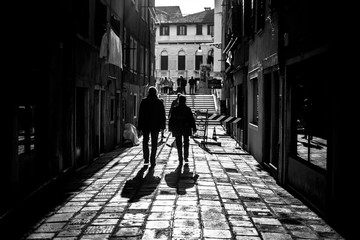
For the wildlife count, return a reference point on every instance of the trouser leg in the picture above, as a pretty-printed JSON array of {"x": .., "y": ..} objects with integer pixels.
[
  {"x": 186, "y": 147},
  {"x": 178, "y": 140},
  {"x": 154, "y": 140},
  {"x": 145, "y": 145}
]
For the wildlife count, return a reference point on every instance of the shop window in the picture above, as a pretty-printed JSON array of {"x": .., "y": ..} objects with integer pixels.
[
  {"x": 310, "y": 118},
  {"x": 26, "y": 129},
  {"x": 255, "y": 101}
]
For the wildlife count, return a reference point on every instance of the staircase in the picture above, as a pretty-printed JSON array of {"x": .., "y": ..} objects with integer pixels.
[{"x": 195, "y": 102}]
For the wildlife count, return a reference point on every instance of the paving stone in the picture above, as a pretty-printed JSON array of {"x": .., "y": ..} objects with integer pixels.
[
  {"x": 266, "y": 221},
  {"x": 69, "y": 233},
  {"x": 218, "y": 234},
  {"x": 186, "y": 223},
  {"x": 113, "y": 209},
  {"x": 150, "y": 234},
  {"x": 276, "y": 236},
  {"x": 160, "y": 216},
  {"x": 104, "y": 221},
  {"x": 181, "y": 214},
  {"x": 161, "y": 208},
  {"x": 95, "y": 237},
  {"x": 157, "y": 224},
  {"x": 245, "y": 231},
  {"x": 60, "y": 217},
  {"x": 233, "y": 198},
  {"x": 50, "y": 227},
  {"x": 128, "y": 232},
  {"x": 110, "y": 215},
  {"x": 187, "y": 233},
  {"x": 41, "y": 236},
  {"x": 247, "y": 238},
  {"x": 215, "y": 224}
]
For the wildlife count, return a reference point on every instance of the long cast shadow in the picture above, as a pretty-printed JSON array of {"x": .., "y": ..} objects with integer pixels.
[
  {"x": 140, "y": 185},
  {"x": 181, "y": 180}
]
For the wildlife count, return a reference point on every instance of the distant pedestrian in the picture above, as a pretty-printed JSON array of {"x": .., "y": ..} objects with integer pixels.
[
  {"x": 171, "y": 86},
  {"x": 192, "y": 83},
  {"x": 178, "y": 82},
  {"x": 152, "y": 120},
  {"x": 166, "y": 85},
  {"x": 182, "y": 125},
  {"x": 183, "y": 85}
]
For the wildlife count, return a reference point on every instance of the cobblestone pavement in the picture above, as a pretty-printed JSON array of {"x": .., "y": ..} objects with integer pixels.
[{"x": 223, "y": 194}]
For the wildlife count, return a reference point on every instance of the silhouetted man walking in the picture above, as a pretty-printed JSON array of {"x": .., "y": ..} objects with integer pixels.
[
  {"x": 182, "y": 125},
  {"x": 151, "y": 120}
]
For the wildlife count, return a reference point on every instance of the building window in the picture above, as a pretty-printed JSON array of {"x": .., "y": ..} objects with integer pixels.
[
  {"x": 112, "y": 109},
  {"x": 310, "y": 112},
  {"x": 81, "y": 17},
  {"x": 198, "y": 29},
  {"x": 142, "y": 60},
  {"x": 260, "y": 14},
  {"x": 100, "y": 22},
  {"x": 255, "y": 101},
  {"x": 26, "y": 129},
  {"x": 181, "y": 60},
  {"x": 135, "y": 52},
  {"x": 135, "y": 105},
  {"x": 210, "y": 30},
  {"x": 181, "y": 30},
  {"x": 198, "y": 60},
  {"x": 146, "y": 62},
  {"x": 131, "y": 55},
  {"x": 164, "y": 30},
  {"x": 125, "y": 49},
  {"x": 164, "y": 61}
]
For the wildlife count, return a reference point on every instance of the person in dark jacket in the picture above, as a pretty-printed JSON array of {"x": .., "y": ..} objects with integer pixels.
[
  {"x": 182, "y": 125},
  {"x": 151, "y": 121}
]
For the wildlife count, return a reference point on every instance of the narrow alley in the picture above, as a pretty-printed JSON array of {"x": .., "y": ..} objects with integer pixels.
[{"x": 223, "y": 193}]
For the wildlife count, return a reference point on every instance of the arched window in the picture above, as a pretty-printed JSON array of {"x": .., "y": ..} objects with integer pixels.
[
  {"x": 181, "y": 60},
  {"x": 198, "y": 59},
  {"x": 164, "y": 60}
]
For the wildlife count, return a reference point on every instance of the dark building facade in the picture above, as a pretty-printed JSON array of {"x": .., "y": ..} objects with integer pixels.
[
  {"x": 279, "y": 62},
  {"x": 69, "y": 66}
]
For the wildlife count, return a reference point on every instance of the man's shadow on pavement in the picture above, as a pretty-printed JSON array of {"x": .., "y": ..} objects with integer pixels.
[
  {"x": 181, "y": 180},
  {"x": 140, "y": 185}
]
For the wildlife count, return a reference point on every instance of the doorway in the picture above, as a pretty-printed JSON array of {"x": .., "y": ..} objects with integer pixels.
[
  {"x": 272, "y": 121},
  {"x": 80, "y": 123}
]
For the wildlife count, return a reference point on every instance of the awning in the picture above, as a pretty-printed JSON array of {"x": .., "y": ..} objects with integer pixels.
[{"x": 230, "y": 45}]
